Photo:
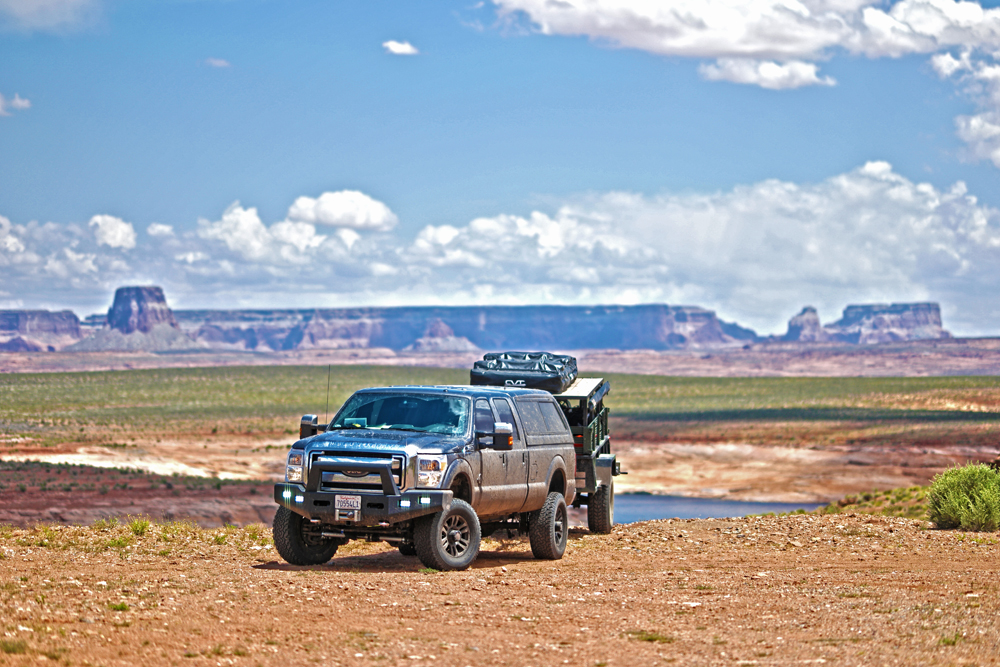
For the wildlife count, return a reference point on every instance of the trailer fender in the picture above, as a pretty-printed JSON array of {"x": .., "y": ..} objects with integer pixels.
[{"x": 606, "y": 469}]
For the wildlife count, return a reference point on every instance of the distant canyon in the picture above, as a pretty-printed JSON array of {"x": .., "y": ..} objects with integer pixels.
[{"x": 140, "y": 319}]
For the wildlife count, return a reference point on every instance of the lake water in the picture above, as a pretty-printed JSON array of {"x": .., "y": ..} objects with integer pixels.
[{"x": 630, "y": 508}]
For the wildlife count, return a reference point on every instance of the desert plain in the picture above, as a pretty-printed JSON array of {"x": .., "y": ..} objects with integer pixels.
[{"x": 92, "y": 455}]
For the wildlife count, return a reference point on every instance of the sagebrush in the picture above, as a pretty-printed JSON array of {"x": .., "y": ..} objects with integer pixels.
[{"x": 967, "y": 498}]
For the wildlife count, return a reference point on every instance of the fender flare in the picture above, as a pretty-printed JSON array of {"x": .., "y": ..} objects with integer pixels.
[
  {"x": 461, "y": 467},
  {"x": 558, "y": 464}
]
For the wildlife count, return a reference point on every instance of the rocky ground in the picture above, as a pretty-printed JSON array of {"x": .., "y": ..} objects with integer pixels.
[{"x": 804, "y": 589}]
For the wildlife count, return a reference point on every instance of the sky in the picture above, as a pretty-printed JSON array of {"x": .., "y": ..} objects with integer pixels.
[{"x": 747, "y": 156}]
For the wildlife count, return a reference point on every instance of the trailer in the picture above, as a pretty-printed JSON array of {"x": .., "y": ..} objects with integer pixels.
[{"x": 596, "y": 466}]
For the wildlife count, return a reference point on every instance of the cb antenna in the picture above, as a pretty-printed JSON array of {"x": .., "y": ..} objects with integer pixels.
[{"x": 328, "y": 369}]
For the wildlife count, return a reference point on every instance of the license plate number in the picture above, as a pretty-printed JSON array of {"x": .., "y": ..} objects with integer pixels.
[{"x": 347, "y": 502}]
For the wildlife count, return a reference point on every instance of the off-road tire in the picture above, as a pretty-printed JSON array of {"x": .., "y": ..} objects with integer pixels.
[
  {"x": 295, "y": 545},
  {"x": 601, "y": 509},
  {"x": 448, "y": 540},
  {"x": 550, "y": 528},
  {"x": 407, "y": 548}
]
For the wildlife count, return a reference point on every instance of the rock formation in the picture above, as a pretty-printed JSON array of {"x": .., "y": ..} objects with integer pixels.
[
  {"x": 439, "y": 337},
  {"x": 37, "y": 330},
  {"x": 870, "y": 324},
  {"x": 805, "y": 327},
  {"x": 464, "y": 328},
  {"x": 139, "y": 309},
  {"x": 887, "y": 323},
  {"x": 139, "y": 320}
]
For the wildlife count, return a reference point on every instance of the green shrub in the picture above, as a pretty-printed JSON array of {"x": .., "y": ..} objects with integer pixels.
[
  {"x": 139, "y": 526},
  {"x": 967, "y": 498}
]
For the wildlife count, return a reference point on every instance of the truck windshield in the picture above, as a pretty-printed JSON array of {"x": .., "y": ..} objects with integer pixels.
[{"x": 448, "y": 415}]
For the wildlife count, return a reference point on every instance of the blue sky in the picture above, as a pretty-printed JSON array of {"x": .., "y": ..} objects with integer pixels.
[{"x": 783, "y": 154}]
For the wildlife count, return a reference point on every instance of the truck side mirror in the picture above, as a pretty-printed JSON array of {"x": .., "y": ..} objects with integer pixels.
[
  {"x": 308, "y": 426},
  {"x": 503, "y": 435}
]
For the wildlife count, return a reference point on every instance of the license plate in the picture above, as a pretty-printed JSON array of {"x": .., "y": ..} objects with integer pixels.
[{"x": 347, "y": 502}]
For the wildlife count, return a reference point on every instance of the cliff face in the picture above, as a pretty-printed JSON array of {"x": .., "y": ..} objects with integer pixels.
[
  {"x": 452, "y": 329},
  {"x": 138, "y": 320},
  {"x": 805, "y": 328},
  {"x": 139, "y": 309},
  {"x": 37, "y": 330},
  {"x": 870, "y": 324}
]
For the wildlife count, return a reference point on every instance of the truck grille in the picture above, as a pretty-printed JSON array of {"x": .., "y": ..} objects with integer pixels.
[{"x": 360, "y": 480}]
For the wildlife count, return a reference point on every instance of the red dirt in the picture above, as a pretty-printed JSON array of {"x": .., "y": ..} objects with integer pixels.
[{"x": 847, "y": 590}]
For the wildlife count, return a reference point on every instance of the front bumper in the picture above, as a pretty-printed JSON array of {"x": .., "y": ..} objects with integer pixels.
[{"x": 377, "y": 509}]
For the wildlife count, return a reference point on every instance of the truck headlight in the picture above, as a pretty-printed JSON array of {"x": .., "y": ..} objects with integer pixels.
[
  {"x": 430, "y": 470},
  {"x": 293, "y": 469}
]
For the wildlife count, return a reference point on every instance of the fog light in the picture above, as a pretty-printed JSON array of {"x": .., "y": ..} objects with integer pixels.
[
  {"x": 404, "y": 503},
  {"x": 299, "y": 499},
  {"x": 424, "y": 500},
  {"x": 286, "y": 494}
]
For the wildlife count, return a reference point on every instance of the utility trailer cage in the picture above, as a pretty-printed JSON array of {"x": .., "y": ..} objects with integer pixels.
[{"x": 583, "y": 405}]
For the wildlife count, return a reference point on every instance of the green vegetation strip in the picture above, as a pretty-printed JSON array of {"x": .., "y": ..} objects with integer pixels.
[
  {"x": 661, "y": 398},
  {"x": 148, "y": 398}
]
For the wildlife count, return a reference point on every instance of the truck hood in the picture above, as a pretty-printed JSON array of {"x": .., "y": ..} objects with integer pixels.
[{"x": 386, "y": 441}]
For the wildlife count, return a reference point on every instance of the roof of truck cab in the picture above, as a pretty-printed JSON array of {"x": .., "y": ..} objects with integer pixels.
[{"x": 460, "y": 390}]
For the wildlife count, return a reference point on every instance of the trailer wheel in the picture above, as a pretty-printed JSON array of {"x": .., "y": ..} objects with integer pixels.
[
  {"x": 550, "y": 528},
  {"x": 448, "y": 540},
  {"x": 601, "y": 509},
  {"x": 298, "y": 542}
]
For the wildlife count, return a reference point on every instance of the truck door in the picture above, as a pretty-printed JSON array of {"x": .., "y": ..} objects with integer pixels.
[
  {"x": 516, "y": 459},
  {"x": 493, "y": 470}
]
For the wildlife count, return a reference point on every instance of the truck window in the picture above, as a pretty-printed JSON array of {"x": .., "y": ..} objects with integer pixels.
[
  {"x": 531, "y": 417},
  {"x": 448, "y": 415},
  {"x": 555, "y": 422},
  {"x": 484, "y": 416},
  {"x": 506, "y": 414}
]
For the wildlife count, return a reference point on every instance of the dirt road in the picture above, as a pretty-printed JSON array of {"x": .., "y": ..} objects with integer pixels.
[{"x": 848, "y": 590}]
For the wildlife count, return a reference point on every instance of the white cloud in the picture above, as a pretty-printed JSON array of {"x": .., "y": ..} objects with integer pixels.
[
  {"x": 242, "y": 231},
  {"x": 756, "y": 253},
  {"x": 400, "y": 48},
  {"x": 217, "y": 62},
  {"x": 47, "y": 14},
  {"x": 765, "y": 73},
  {"x": 979, "y": 76},
  {"x": 9, "y": 242},
  {"x": 346, "y": 208},
  {"x": 113, "y": 232},
  {"x": 159, "y": 229},
  {"x": 788, "y": 32},
  {"x": 18, "y": 103}
]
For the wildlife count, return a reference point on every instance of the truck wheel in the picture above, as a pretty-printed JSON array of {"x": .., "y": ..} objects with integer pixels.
[
  {"x": 601, "y": 509},
  {"x": 407, "y": 549},
  {"x": 550, "y": 528},
  {"x": 297, "y": 544},
  {"x": 448, "y": 540}
]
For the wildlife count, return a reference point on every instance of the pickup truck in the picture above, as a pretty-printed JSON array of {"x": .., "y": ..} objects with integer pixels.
[{"x": 432, "y": 469}]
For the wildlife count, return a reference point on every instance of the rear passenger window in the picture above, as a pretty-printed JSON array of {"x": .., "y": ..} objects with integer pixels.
[
  {"x": 553, "y": 416},
  {"x": 506, "y": 414},
  {"x": 531, "y": 417}
]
